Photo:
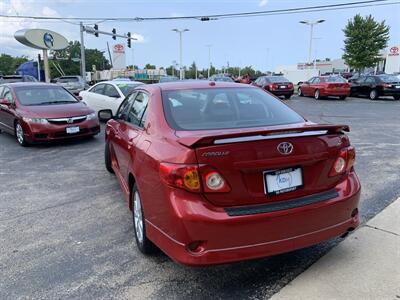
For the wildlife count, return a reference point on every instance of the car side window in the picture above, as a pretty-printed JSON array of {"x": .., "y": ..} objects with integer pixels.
[
  {"x": 370, "y": 80},
  {"x": 1, "y": 91},
  {"x": 98, "y": 89},
  {"x": 311, "y": 80},
  {"x": 316, "y": 80},
  {"x": 7, "y": 95},
  {"x": 137, "y": 110},
  {"x": 125, "y": 106},
  {"x": 111, "y": 91}
]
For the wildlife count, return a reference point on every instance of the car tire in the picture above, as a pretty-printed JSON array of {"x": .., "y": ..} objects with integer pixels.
[
  {"x": 108, "y": 158},
  {"x": 20, "y": 135},
  {"x": 143, "y": 243},
  {"x": 342, "y": 97},
  {"x": 395, "y": 98},
  {"x": 317, "y": 95},
  {"x": 287, "y": 97},
  {"x": 373, "y": 95},
  {"x": 300, "y": 92}
]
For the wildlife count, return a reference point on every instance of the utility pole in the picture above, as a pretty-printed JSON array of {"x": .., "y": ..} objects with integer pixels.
[
  {"x": 311, "y": 24},
  {"x": 209, "y": 60},
  {"x": 180, "y": 50},
  {"x": 83, "y": 60}
]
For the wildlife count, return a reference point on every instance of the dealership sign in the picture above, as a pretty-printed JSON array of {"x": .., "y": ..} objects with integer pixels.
[
  {"x": 119, "y": 58},
  {"x": 41, "y": 39},
  {"x": 119, "y": 48}
]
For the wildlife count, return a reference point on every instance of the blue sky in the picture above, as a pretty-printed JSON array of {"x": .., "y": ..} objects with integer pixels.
[{"x": 263, "y": 42}]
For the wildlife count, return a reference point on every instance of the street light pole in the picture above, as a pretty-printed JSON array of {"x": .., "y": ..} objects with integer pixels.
[
  {"x": 180, "y": 50},
  {"x": 311, "y": 24},
  {"x": 209, "y": 60}
]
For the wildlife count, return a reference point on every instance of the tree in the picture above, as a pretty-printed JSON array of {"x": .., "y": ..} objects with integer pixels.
[
  {"x": 69, "y": 60},
  {"x": 364, "y": 38},
  {"x": 150, "y": 67},
  {"x": 9, "y": 64}
]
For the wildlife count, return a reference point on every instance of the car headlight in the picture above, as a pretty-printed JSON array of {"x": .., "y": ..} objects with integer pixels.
[
  {"x": 92, "y": 116},
  {"x": 36, "y": 121}
]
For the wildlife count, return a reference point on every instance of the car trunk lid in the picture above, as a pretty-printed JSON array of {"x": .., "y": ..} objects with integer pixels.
[{"x": 243, "y": 156}]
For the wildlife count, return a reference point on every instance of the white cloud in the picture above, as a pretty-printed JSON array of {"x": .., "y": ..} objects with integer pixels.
[
  {"x": 263, "y": 3},
  {"x": 49, "y": 12}
]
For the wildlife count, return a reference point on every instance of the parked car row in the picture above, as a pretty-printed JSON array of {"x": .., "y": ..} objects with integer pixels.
[
  {"x": 213, "y": 172},
  {"x": 372, "y": 86}
]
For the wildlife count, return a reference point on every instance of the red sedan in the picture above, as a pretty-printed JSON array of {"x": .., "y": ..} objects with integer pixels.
[
  {"x": 219, "y": 172},
  {"x": 325, "y": 86},
  {"x": 37, "y": 112}
]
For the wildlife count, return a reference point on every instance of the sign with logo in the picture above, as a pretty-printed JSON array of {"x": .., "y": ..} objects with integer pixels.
[
  {"x": 119, "y": 48},
  {"x": 394, "y": 51},
  {"x": 119, "y": 58},
  {"x": 41, "y": 39}
]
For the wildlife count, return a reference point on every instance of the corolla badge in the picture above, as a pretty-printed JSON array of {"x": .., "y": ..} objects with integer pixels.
[
  {"x": 285, "y": 148},
  {"x": 48, "y": 40}
]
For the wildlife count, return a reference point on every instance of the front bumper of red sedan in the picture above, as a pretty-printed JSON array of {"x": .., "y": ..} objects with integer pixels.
[
  {"x": 47, "y": 132},
  {"x": 205, "y": 235}
]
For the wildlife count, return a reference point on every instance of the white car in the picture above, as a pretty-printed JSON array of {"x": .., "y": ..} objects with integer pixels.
[{"x": 108, "y": 94}]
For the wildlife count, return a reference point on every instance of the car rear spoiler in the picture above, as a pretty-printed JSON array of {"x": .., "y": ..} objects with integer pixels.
[{"x": 261, "y": 134}]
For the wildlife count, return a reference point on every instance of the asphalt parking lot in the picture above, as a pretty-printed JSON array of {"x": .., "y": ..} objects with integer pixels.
[{"x": 66, "y": 232}]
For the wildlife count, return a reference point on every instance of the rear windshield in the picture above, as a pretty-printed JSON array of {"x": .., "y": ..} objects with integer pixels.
[
  {"x": 335, "y": 79},
  {"x": 389, "y": 78},
  {"x": 43, "y": 95},
  {"x": 225, "y": 108},
  {"x": 275, "y": 79},
  {"x": 127, "y": 88}
]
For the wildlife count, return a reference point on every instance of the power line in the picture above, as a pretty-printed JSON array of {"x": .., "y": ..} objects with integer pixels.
[{"x": 338, "y": 6}]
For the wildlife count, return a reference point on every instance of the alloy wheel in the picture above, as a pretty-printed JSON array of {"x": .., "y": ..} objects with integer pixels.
[
  {"x": 19, "y": 133},
  {"x": 138, "y": 217}
]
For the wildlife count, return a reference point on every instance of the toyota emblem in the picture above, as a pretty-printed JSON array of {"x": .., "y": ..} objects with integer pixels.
[
  {"x": 285, "y": 148},
  {"x": 70, "y": 121}
]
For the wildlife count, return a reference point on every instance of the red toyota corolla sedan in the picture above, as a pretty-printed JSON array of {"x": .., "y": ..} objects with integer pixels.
[
  {"x": 219, "y": 172},
  {"x": 37, "y": 112},
  {"x": 325, "y": 86}
]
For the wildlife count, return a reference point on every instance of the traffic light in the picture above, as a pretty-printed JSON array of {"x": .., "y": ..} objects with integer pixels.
[
  {"x": 129, "y": 39},
  {"x": 96, "y": 28},
  {"x": 114, "y": 33}
]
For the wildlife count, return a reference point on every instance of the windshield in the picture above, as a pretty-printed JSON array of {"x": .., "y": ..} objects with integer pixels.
[
  {"x": 68, "y": 79},
  {"x": 127, "y": 88},
  {"x": 43, "y": 95},
  {"x": 225, "y": 108},
  {"x": 335, "y": 79},
  {"x": 223, "y": 78},
  {"x": 277, "y": 79},
  {"x": 168, "y": 79},
  {"x": 389, "y": 78}
]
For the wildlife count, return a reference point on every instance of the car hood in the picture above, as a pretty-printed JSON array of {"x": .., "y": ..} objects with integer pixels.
[{"x": 56, "y": 111}]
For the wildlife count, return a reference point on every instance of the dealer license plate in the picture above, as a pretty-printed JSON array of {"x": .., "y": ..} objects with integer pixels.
[
  {"x": 397, "y": 86},
  {"x": 282, "y": 87},
  {"x": 71, "y": 130},
  {"x": 283, "y": 181}
]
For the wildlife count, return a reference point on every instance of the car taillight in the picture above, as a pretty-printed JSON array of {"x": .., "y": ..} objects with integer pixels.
[
  {"x": 385, "y": 85},
  {"x": 213, "y": 182},
  {"x": 290, "y": 85},
  {"x": 181, "y": 176},
  {"x": 187, "y": 177},
  {"x": 344, "y": 162}
]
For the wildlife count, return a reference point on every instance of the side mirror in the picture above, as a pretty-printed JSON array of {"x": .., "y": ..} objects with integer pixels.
[
  {"x": 79, "y": 98},
  {"x": 5, "y": 102},
  {"x": 306, "y": 82},
  {"x": 105, "y": 115}
]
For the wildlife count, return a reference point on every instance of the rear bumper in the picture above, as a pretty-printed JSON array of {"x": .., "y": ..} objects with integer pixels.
[
  {"x": 391, "y": 92},
  {"x": 222, "y": 238},
  {"x": 282, "y": 92},
  {"x": 335, "y": 92},
  {"x": 41, "y": 133}
]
